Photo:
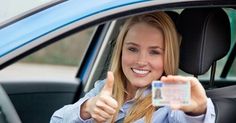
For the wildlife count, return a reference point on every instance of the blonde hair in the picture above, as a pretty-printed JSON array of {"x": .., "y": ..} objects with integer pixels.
[{"x": 143, "y": 105}]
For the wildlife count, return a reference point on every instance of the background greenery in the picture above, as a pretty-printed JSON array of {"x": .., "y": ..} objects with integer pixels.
[{"x": 67, "y": 51}]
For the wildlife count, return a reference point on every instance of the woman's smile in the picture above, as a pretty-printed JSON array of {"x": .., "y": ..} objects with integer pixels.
[{"x": 140, "y": 72}]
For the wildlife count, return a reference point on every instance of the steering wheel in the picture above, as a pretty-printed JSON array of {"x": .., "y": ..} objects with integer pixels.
[{"x": 8, "y": 113}]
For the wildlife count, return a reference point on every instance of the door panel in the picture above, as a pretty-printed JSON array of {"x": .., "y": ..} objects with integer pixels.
[{"x": 35, "y": 102}]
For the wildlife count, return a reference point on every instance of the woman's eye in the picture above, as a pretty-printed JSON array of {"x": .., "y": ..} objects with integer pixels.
[
  {"x": 132, "y": 49},
  {"x": 154, "y": 52}
]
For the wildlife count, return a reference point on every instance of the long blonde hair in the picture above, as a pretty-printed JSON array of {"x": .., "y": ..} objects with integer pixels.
[{"x": 143, "y": 105}]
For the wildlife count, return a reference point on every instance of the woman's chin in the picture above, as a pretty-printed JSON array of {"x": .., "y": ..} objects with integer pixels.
[{"x": 141, "y": 83}]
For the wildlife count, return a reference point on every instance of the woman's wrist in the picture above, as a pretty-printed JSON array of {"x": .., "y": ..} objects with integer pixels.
[
  {"x": 201, "y": 109},
  {"x": 84, "y": 111}
]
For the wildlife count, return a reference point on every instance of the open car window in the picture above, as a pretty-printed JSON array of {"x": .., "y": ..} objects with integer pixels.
[{"x": 59, "y": 60}]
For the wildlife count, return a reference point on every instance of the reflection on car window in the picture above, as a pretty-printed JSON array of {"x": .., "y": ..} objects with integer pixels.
[
  {"x": 11, "y": 8},
  {"x": 59, "y": 60}
]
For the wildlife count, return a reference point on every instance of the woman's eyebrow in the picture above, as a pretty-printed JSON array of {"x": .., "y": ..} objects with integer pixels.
[
  {"x": 156, "y": 47},
  {"x": 151, "y": 47},
  {"x": 131, "y": 43}
]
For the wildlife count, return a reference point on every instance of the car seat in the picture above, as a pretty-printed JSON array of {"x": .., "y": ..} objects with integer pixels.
[{"x": 206, "y": 39}]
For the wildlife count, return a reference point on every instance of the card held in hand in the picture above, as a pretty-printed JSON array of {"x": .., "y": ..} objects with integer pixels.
[{"x": 164, "y": 94}]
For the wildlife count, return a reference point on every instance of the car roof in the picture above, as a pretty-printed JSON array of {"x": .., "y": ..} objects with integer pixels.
[{"x": 49, "y": 23}]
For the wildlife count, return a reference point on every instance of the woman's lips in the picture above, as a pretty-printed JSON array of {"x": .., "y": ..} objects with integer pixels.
[{"x": 140, "y": 71}]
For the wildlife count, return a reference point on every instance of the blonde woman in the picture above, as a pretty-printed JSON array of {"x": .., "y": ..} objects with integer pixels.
[{"x": 147, "y": 49}]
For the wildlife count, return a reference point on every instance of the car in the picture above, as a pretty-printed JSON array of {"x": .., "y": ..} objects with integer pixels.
[{"x": 207, "y": 29}]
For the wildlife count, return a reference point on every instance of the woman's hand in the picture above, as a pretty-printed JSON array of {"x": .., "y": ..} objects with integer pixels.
[
  {"x": 198, "y": 96},
  {"x": 103, "y": 106}
]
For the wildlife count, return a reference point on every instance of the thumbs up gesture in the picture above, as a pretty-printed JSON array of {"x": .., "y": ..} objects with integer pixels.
[{"x": 103, "y": 106}]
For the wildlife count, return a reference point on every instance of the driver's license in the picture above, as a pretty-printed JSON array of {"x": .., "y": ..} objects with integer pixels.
[{"x": 170, "y": 93}]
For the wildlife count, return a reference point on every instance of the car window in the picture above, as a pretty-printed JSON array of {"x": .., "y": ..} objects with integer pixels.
[
  {"x": 232, "y": 16},
  {"x": 12, "y": 8},
  {"x": 59, "y": 60}
]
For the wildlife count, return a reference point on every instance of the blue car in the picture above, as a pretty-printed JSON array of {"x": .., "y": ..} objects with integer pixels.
[{"x": 207, "y": 51}]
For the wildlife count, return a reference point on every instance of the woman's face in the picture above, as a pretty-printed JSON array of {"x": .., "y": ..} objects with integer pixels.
[{"x": 142, "y": 55}]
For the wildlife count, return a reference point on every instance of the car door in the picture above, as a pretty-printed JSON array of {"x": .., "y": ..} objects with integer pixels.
[
  {"x": 37, "y": 97},
  {"x": 36, "y": 91}
]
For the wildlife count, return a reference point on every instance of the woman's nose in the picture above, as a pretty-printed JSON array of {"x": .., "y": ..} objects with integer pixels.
[{"x": 142, "y": 59}]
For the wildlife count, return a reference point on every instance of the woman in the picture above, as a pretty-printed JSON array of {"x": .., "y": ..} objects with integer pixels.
[{"x": 147, "y": 49}]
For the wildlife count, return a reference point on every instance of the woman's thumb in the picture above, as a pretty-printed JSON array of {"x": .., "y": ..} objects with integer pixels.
[{"x": 108, "y": 87}]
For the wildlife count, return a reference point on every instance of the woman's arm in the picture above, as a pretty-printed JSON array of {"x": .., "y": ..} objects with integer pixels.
[
  {"x": 71, "y": 113},
  {"x": 208, "y": 117}
]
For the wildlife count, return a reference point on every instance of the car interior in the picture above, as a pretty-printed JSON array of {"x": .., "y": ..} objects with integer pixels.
[{"x": 205, "y": 39}]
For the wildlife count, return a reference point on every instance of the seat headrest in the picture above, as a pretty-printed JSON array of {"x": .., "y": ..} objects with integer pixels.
[{"x": 205, "y": 38}]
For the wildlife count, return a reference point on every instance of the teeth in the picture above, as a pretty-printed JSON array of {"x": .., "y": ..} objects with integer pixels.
[{"x": 140, "y": 71}]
